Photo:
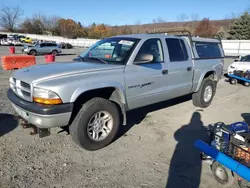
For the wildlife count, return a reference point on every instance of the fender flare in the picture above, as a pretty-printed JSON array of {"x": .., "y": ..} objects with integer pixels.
[
  {"x": 202, "y": 78},
  {"x": 119, "y": 91}
]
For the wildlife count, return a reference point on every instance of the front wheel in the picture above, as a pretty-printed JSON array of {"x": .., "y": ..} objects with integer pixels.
[
  {"x": 33, "y": 52},
  {"x": 233, "y": 81},
  {"x": 222, "y": 175},
  {"x": 54, "y": 52},
  {"x": 203, "y": 98},
  {"x": 96, "y": 124}
]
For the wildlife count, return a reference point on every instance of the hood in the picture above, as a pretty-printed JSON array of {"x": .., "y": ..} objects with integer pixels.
[
  {"x": 241, "y": 65},
  {"x": 42, "y": 72}
]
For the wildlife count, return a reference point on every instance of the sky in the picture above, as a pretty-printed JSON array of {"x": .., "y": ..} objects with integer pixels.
[{"x": 115, "y": 12}]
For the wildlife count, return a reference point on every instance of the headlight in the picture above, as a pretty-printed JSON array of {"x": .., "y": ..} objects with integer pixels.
[
  {"x": 232, "y": 67},
  {"x": 44, "y": 96}
]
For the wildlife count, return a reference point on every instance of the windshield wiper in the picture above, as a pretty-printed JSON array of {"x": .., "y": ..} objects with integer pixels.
[
  {"x": 81, "y": 58},
  {"x": 96, "y": 58}
]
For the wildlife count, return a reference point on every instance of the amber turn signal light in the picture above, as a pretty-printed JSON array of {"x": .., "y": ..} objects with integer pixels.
[{"x": 47, "y": 101}]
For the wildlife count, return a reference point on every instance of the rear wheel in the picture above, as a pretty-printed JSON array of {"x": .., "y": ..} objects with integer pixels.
[
  {"x": 243, "y": 183},
  {"x": 247, "y": 84},
  {"x": 96, "y": 124},
  {"x": 203, "y": 98}
]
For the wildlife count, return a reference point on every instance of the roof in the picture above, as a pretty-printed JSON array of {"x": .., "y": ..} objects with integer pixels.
[
  {"x": 146, "y": 36},
  {"x": 141, "y": 36}
]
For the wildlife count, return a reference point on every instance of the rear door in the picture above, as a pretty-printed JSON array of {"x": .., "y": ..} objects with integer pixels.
[
  {"x": 147, "y": 83},
  {"x": 180, "y": 67},
  {"x": 49, "y": 48}
]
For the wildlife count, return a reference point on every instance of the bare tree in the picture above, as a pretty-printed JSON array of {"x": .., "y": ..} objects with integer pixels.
[
  {"x": 181, "y": 18},
  {"x": 232, "y": 16},
  {"x": 194, "y": 17},
  {"x": 9, "y": 17},
  {"x": 158, "y": 20},
  {"x": 138, "y": 22}
]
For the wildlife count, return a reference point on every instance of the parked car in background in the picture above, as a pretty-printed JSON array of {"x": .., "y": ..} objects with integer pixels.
[
  {"x": 10, "y": 40},
  {"x": 16, "y": 42},
  {"x": 3, "y": 36},
  {"x": 242, "y": 64},
  {"x": 65, "y": 45},
  {"x": 5, "y": 42},
  {"x": 26, "y": 40},
  {"x": 42, "y": 48}
]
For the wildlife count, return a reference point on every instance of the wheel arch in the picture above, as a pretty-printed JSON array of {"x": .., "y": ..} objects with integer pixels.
[
  {"x": 113, "y": 93},
  {"x": 205, "y": 75}
]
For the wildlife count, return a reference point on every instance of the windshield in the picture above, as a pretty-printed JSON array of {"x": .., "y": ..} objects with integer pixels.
[
  {"x": 115, "y": 50},
  {"x": 245, "y": 58}
]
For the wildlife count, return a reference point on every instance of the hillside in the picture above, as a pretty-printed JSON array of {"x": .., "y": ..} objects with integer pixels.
[{"x": 220, "y": 25}]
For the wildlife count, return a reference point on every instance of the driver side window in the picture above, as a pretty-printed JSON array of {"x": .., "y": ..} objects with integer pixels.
[
  {"x": 154, "y": 47},
  {"x": 42, "y": 45}
]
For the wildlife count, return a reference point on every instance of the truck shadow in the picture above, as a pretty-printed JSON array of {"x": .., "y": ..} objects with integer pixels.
[
  {"x": 7, "y": 123},
  {"x": 135, "y": 117}
]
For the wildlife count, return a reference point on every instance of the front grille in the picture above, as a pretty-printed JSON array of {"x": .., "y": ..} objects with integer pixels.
[
  {"x": 20, "y": 88},
  {"x": 25, "y": 85}
]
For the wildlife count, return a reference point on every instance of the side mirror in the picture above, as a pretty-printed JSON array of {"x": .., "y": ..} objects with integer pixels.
[
  {"x": 236, "y": 60},
  {"x": 144, "y": 58}
]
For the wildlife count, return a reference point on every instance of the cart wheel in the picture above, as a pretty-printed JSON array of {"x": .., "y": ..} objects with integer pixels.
[
  {"x": 233, "y": 81},
  {"x": 243, "y": 183},
  {"x": 222, "y": 175},
  {"x": 247, "y": 84}
]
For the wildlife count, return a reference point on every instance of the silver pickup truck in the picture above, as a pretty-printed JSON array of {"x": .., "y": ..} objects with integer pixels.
[{"x": 92, "y": 94}]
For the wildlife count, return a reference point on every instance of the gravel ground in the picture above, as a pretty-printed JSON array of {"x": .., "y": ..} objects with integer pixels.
[{"x": 155, "y": 150}]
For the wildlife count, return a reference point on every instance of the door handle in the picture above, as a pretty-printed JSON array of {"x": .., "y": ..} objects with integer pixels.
[
  {"x": 189, "y": 68},
  {"x": 164, "y": 71}
]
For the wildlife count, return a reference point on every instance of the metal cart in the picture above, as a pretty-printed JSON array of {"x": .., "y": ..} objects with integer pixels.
[
  {"x": 234, "y": 79},
  {"x": 228, "y": 153}
]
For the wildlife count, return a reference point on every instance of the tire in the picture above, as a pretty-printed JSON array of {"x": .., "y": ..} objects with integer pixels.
[
  {"x": 33, "y": 52},
  {"x": 243, "y": 183},
  {"x": 79, "y": 127},
  {"x": 247, "y": 84},
  {"x": 55, "y": 52},
  {"x": 198, "y": 97},
  {"x": 226, "y": 177},
  {"x": 233, "y": 81}
]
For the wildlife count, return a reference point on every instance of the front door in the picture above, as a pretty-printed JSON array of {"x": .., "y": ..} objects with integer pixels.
[
  {"x": 146, "y": 83},
  {"x": 42, "y": 49},
  {"x": 180, "y": 67}
]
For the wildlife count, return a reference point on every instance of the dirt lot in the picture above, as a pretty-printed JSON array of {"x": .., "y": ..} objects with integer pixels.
[{"x": 154, "y": 150}]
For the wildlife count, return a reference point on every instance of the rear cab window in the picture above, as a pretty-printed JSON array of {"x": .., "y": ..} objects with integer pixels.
[{"x": 208, "y": 50}]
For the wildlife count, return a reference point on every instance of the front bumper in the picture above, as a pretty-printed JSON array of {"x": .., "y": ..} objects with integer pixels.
[{"x": 42, "y": 116}]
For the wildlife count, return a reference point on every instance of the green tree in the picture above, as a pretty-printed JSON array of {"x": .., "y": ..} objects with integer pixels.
[{"x": 240, "y": 30}]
